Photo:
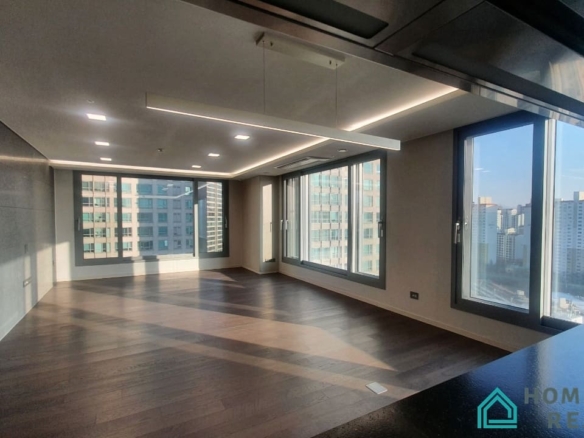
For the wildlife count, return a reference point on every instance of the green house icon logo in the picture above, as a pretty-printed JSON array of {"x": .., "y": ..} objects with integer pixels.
[{"x": 483, "y": 420}]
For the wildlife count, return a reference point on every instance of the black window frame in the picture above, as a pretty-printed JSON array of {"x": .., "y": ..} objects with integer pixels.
[
  {"x": 120, "y": 259},
  {"x": 348, "y": 274},
  {"x": 532, "y": 318}
]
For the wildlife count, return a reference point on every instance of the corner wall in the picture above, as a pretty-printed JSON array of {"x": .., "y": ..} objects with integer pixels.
[
  {"x": 251, "y": 224},
  {"x": 419, "y": 204},
  {"x": 65, "y": 237},
  {"x": 27, "y": 234}
]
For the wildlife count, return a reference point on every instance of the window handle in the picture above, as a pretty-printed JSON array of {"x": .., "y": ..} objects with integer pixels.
[
  {"x": 456, "y": 238},
  {"x": 78, "y": 223},
  {"x": 380, "y": 229},
  {"x": 225, "y": 222},
  {"x": 281, "y": 224}
]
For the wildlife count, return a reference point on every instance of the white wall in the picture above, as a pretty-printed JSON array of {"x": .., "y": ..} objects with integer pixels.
[
  {"x": 253, "y": 226},
  {"x": 419, "y": 203},
  {"x": 65, "y": 246},
  {"x": 27, "y": 234}
]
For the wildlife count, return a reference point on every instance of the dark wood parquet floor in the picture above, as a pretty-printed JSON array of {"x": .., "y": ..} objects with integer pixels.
[{"x": 213, "y": 354}]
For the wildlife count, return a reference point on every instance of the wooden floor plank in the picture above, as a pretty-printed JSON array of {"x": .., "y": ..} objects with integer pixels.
[{"x": 213, "y": 354}]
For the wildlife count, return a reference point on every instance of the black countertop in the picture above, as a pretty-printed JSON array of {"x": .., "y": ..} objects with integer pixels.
[{"x": 551, "y": 372}]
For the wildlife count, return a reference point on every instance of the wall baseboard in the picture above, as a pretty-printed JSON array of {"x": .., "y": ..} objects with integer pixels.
[
  {"x": 458, "y": 331},
  {"x": 258, "y": 272},
  {"x": 255, "y": 271},
  {"x": 80, "y": 275},
  {"x": 7, "y": 326}
]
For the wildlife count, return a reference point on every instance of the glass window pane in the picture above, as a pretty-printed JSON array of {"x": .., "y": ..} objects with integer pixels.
[
  {"x": 567, "y": 293},
  {"x": 326, "y": 219},
  {"x": 145, "y": 218},
  {"x": 497, "y": 224},
  {"x": 98, "y": 216},
  {"x": 211, "y": 216},
  {"x": 144, "y": 188},
  {"x": 367, "y": 210}
]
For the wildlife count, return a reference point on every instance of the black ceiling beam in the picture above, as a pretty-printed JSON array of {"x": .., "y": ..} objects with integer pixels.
[{"x": 551, "y": 17}]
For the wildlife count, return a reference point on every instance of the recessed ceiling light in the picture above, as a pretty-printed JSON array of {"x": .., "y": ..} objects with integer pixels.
[
  {"x": 241, "y": 137},
  {"x": 102, "y": 143},
  {"x": 342, "y": 151},
  {"x": 213, "y": 155},
  {"x": 105, "y": 159},
  {"x": 96, "y": 117},
  {"x": 196, "y": 166}
]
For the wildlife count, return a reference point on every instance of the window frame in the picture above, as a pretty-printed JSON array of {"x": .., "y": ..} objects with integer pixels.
[
  {"x": 542, "y": 148},
  {"x": 304, "y": 218},
  {"x": 120, "y": 259}
]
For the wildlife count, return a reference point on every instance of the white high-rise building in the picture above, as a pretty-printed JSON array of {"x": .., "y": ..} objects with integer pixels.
[
  {"x": 485, "y": 216},
  {"x": 568, "y": 251}
]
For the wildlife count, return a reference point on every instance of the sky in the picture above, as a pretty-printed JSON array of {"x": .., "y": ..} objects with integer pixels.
[
  {"x": 502, "y": 164},
  {"x": 569, "y": 161}
]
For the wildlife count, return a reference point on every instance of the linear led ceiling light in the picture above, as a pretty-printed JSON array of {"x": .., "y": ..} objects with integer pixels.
[{"x": 228, "y": 115}]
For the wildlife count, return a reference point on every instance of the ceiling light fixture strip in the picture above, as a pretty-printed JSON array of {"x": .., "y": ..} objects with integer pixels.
[
  {"x": 154, "y": 170},
  {"x": 228, "y": 115}
]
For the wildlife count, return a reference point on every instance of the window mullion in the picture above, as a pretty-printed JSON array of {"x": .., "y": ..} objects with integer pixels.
[
  {"x": 466, "y": 218},
  {"x": 537, "y": 220},
  {"x": 299, "y": 210},
  {"x": 119, "y": 217},
  {"x": 351, "y": 218},
  {"x": 548, "y": 218}
]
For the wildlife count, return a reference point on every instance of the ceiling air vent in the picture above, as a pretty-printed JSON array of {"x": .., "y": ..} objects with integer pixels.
[{"x": 302, "y": 162}]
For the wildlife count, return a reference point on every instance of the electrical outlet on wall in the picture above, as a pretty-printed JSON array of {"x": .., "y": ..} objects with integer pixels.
[{"x": 414, "y": 295}]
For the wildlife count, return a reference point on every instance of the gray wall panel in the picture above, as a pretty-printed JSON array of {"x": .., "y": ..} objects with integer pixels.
[{"x": 27, "y": 231}]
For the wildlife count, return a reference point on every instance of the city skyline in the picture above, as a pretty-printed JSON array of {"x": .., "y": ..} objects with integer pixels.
[{"x": 503, "y": 160}]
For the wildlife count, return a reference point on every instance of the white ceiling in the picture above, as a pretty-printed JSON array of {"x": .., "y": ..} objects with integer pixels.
[{"x": 63, "y": 59}]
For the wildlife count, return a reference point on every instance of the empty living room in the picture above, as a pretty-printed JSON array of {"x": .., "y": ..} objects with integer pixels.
[{"x": 291, "y": 219}]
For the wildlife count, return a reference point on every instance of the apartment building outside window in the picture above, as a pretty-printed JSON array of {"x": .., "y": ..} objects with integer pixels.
[
  {"x": 332, "y": 221},
  {"x": 213, "y": 218},
  {"x": 112, "y": 228}
]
